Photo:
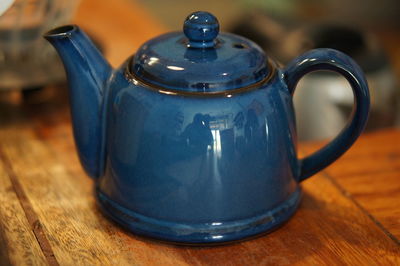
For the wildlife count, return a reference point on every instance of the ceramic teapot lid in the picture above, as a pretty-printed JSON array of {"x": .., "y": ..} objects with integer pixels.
[{"x": 200, "y": 59}]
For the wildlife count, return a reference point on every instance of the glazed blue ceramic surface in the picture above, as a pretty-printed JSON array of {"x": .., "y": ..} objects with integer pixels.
[
  {"x": 176, "y": 61},
  {"x": 193, "y": 139}
]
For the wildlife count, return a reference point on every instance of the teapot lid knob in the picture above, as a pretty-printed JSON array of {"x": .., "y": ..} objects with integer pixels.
[{"x": 201, "y": 28}]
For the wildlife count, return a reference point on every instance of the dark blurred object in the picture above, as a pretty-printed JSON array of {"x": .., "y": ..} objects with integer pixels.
[
  {"x": 26, "y": 60},
  {"x": 358, "y": 13},
  {"x": 323, "y": 100}
]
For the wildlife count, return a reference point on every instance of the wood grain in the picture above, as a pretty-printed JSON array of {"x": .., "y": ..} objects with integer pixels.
[
  {"x": 370, "y": 173},
  {"x": 56, "y": 189},
  {"x": 328, "y": 225},
  {"x": 328, "y": 229},
  {"x": 18, "y": 245},
  {"x": 342, "y": 219}
]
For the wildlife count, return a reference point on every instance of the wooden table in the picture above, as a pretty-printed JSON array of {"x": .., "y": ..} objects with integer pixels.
[{"x": 349, "y": 214}]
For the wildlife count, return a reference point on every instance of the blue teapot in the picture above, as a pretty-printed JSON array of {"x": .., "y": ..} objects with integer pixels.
[{"x": 193, "y": 138}]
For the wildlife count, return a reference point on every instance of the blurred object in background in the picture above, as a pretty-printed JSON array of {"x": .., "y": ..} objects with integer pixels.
[
  {"x": 171, "y": 12},
  {"x": 365, "y": 14},
  {"x": 323, "y": 100},
  {"x": 285, "y": 29},
  {"x": 26, "y": 59},
  {"x": 4, "y": 5}
]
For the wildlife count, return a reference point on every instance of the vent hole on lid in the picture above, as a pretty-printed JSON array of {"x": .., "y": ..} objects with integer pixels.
[{"x": 239, "y": 45}]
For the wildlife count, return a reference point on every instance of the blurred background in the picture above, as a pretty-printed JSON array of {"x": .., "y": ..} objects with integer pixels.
[
  {"x": 285, "y": 29},
  {"x": 367, "y": 30}
]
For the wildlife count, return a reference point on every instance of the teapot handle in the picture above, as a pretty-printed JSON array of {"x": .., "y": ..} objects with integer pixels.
[{"x": 329, "y": 59}]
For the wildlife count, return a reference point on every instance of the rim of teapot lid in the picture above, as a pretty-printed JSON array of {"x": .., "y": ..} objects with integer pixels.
[{"x": 200, "y": 59}]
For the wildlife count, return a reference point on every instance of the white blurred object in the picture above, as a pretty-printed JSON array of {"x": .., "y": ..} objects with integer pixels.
[
  {"x": 26, "y": 59},
  {"x": 4, "y": 5},
  {"x": 317, "y": 113},
  {"x": 323, "y": 103}
]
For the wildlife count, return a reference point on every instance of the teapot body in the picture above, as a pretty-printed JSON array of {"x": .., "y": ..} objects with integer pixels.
[
  {"x": 199, "y": 168},
  {"x": 193, "y": 139}
]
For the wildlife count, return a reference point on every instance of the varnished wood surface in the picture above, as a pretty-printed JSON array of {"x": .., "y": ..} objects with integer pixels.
[
  {"x": 349, "y": 213},
  {"x": 369, "y": 174},
  {"x": 331, "y": 227}
]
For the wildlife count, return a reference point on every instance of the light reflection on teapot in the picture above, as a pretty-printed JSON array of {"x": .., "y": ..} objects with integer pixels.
[{"x": 195, "y": 141}]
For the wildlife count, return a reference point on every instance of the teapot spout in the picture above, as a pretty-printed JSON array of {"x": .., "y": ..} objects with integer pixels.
[{"x": 87, "y": 73}]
